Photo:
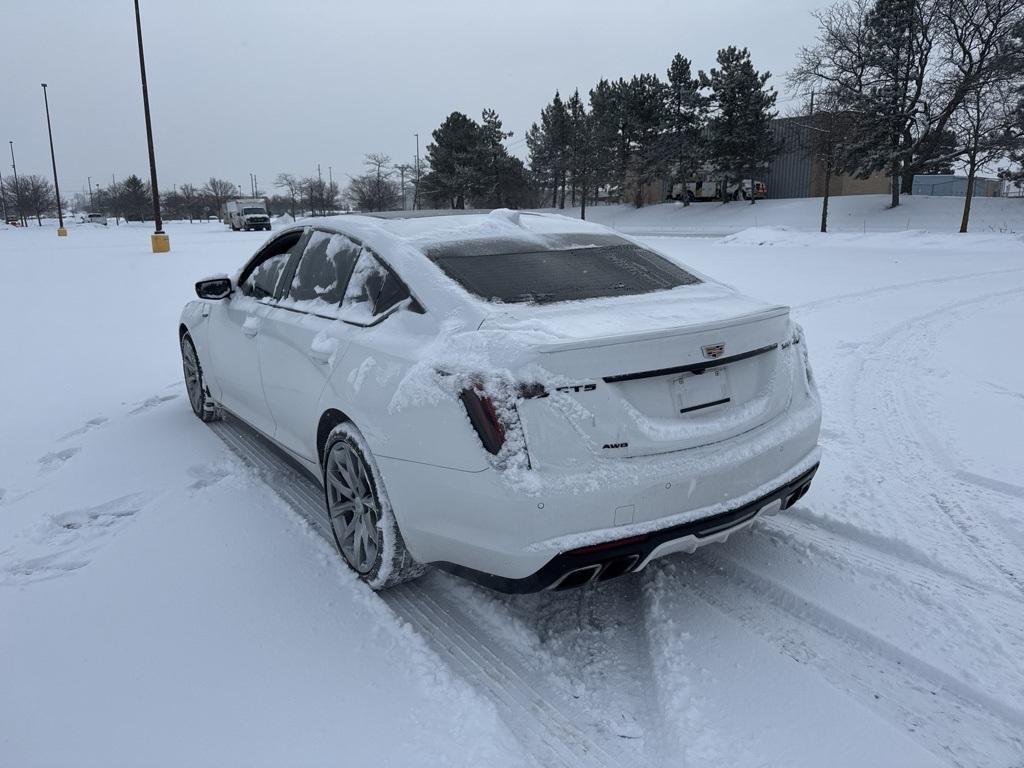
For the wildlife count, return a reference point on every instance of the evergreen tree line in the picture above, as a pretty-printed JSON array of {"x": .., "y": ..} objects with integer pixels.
[{"x": 631, "y": 132}]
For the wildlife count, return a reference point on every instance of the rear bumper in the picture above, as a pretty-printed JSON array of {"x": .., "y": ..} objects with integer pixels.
[
  {"x": 522, "y": 533},
  {"x": 608, "y": 560}
]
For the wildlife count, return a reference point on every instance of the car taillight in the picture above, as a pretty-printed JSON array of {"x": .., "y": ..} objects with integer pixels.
[
  {"x": 484, "y": 418},
  {"x": 491, "y": 420}
]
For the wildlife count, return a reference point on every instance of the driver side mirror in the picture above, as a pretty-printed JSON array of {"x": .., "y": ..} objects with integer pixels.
[{"x": 214, "y": 288}]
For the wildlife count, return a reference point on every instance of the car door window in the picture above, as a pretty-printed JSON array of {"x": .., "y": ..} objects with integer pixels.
[
  {"x": 373, "y": 290},
  {"x": 322, "y": 273},
  {"x": 261, "y": 277}
]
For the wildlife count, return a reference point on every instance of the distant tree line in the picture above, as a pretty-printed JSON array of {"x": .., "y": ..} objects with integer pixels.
[{"x": 30, "y": 197}]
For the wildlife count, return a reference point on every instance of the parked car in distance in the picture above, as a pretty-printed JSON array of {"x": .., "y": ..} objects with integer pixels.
[
  {"x": 246, "y": 213},
  {"x": 525, "y": 400},
  {"x": 93, "y": 218}
]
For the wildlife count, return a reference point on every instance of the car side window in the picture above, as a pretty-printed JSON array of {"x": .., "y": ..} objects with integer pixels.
[
  {"x": 372, "y": 291},
  {"x": 324, "y": 269},
  {"x": 261, "y": 276}
]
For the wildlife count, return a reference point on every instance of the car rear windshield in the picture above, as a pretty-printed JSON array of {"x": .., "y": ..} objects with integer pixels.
[{"x": 567, "y": 271}]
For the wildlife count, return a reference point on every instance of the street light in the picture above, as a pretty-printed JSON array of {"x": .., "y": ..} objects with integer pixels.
[
  {"x": 61, "y": 232},
  {"x": 17, "y": 187},
  {"x": 161, "y": 242},
  {"x": 416, "y": 189}
]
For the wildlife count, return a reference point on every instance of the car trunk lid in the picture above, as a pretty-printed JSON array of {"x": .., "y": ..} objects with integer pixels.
[{"x": 658, "y": 373}]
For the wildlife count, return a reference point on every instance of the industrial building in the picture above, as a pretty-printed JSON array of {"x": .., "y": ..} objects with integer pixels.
[
  {"x": 948, "y": 185},
  {"x": 798, "y": 170}
]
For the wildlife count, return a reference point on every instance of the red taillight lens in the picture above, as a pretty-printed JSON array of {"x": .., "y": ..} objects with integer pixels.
[{"x": 484, "y": 418}]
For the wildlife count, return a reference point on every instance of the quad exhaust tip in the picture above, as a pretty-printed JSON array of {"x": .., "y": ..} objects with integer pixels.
[{"x": 609, "y": 569}]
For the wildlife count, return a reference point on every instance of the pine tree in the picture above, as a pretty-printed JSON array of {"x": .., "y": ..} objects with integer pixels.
[
  {"x": 740, "y": 128},
  {"x": 500, "y": 180},
  {"x": 135, "y": 198},
  {"x": 451, "y": 160},
  {"x": 604, "y": 133},
  {"x": 643, "y": 118},
  {"x": 548, "y": 145},
  {"x": 687, "y": 114}
]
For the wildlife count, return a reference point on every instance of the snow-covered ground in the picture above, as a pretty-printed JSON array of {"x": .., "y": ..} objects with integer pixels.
[{"x": 161, "y": 605}]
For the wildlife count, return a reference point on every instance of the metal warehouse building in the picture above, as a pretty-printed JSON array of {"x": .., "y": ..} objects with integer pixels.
[
  {"x": 796, "y": 171},
  {"x": 955, "y": 186}
]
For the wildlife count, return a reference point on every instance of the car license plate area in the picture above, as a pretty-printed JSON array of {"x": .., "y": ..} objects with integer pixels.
[{"x": 697, "y": 392}]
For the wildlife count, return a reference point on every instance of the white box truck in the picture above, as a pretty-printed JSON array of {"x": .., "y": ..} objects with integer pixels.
[{"x": 246, "y": 213}]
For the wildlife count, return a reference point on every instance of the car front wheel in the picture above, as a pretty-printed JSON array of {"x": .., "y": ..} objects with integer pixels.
[
  {"x": 202, "y": 405},
  {"x": 362, "y": 521}
]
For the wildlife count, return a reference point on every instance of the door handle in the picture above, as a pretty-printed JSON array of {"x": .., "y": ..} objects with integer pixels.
[
  {"x": 323, "y": 350},
  {"x": 251, "y": 326}
]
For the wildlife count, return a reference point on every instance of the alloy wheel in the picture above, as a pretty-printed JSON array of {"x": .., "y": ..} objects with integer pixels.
[
  {"x": 193, "y": 376},
  {"x": 353, "y": 506}
]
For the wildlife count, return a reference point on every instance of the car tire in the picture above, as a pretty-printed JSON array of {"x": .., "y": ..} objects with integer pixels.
[
  {"x": 195, "y": 385},
  {"x": 363, "y": 523}
]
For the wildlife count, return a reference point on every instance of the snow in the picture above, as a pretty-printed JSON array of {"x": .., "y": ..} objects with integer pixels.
[{"x": 161, "y": 605}]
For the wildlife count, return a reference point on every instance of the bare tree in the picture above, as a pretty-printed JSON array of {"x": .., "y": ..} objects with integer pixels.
[
  {"x": 35, "y": 193},
  {"x": 291, "y": 183},
  {"x": 376, "y": 189},
  {"x": 217, "y": 192},
  {"x": 906, "y": 66},
  {"x": 988, "y": 129}
]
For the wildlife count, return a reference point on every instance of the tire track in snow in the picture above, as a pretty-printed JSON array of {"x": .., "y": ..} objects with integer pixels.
[
  {"x": 540, "y": 712},
  {"x": 859, "y": 548},
  {"x": 983, "y": 532},
  {"x": 534, "y": 707},
  {"x": 878, "y": 411},
  {"x": 884, "y": 289},
  {"x": 884, "y": 676}
]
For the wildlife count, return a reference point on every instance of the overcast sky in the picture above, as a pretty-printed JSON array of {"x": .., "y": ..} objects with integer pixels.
[{"x": 281, "y": 86}]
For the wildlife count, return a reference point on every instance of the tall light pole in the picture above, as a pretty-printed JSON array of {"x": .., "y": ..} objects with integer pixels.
[
  {"x": 61, "y": 232},
  {"x": 160, "y": 241},
  {"x": 3, "y": 197},
  {"x": 416, "y": 189},
  {"x": 17, "y": 188},
  {"x": 89, "y": 181}
]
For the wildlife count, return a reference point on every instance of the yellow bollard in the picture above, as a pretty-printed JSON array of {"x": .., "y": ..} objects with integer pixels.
[
  {"x": 61, "y": 232},
  {"x": 161, "y": 243}
]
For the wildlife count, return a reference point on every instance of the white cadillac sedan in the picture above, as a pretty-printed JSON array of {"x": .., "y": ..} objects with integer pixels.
[{"x": 528, "y": 401}]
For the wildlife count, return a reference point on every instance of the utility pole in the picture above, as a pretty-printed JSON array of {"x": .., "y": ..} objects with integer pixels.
[
  {"x": 160, "y": 241},
  {"x": 89, "y": 181},
  {"x": 416, "y": 191},
  {"x": 255, "y": 186},
  {"x": 3, "y": 197},
  {"x": 61, "y": 232},
  {"x": 113, "y": 200},
  {"x": 401, "y": 170},
  {"x": 17, "y": 189}
]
